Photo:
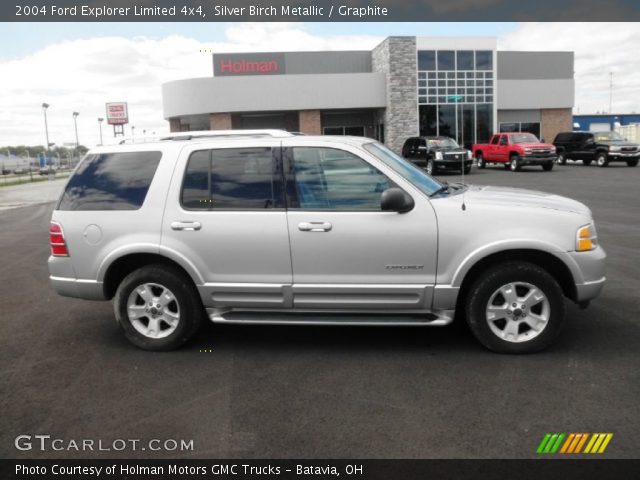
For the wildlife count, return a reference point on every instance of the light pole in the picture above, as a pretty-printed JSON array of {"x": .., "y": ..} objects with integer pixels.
[
  {"x": 75, "y": 123},
  {"x": 46, "y": 127},
  {"x": 133, "y": 131},
  {"x": 100, "y": 120}
]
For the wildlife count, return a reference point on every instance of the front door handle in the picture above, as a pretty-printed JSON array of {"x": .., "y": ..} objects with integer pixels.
[
  {"x": 314, "y": 226},
  {"x": 186, "y": 225}
]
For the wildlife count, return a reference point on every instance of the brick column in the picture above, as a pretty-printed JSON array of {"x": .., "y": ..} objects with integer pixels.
[
  {"x": 174, "y": 125},
  {"x": 310, "y": 122},
  {"x": 554, "y": 121},
  {"x": 220, "y": 121}
]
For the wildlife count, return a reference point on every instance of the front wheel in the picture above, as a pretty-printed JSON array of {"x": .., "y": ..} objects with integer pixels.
[
  {"x": 515, "y": 163},
  {"x": 633, "y": 162},
  {"x": 601, "y": 160},
  {"x": 481, "y": 162},
  {"x": 431, "y": 166},
  {"x": 515, "y": 307},
  {"x": 467, "y": 169},
  {"x": 158, "y": 307},
  {"x": 547, "y": 167},
  {"x": 562, "y": 160}
]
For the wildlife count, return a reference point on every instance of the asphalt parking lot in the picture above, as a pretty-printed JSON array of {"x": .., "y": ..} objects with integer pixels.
[{"x": 325, "y": 392}]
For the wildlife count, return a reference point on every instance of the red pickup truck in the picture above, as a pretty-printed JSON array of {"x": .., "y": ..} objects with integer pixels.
[{"x": 514, "y": 150}]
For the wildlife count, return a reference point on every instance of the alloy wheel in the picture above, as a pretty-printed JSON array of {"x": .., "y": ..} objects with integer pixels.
[
  {"x": 153, "y": 310},
  {"x": 518, "y": 312}
]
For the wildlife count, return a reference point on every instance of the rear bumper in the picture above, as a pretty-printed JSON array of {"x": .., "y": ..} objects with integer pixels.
[{"x": 77, "y": 288}]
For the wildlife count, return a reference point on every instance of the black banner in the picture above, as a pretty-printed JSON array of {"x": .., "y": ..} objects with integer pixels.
[
  {"x": 316, "y": 10},
  {"x": 583, "y": 469}
]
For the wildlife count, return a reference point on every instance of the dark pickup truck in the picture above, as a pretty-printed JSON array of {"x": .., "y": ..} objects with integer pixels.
[{"x": 603, "y": 147}]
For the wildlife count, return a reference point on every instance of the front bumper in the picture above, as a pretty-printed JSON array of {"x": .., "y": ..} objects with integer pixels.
[
  {"x": 533, "y": 159},
  {"x": 590, "y": 272},
  {"x": 452, "y": 164},
  {"x": 622, "y": 156}
]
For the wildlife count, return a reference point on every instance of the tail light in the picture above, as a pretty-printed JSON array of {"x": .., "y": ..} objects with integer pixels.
[{"x": 56, "y": 240}]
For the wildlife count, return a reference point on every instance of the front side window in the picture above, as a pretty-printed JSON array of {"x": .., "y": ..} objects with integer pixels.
[
  {"x": 332, "y": 179},
  {"x": 233, "y": 178},
  {"x": 111, "y": 181}
]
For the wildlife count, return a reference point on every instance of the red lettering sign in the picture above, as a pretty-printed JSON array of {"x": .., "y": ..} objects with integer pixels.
[{"x": 246, "y": 67}]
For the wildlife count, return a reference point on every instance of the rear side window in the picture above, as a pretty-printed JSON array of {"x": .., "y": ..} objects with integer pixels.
[
  {"x": 111, "y": 181},
  {"x": 233, "y": 178},
  {"x": 563, "y": 137}
]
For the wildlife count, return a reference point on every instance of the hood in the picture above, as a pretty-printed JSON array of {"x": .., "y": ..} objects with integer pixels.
[
  {"x": 618, "y": 143},
  {"x": 520, "y": 197},
  {"x": 544, "y": 146},
  {"x": 449, "y": 149}
]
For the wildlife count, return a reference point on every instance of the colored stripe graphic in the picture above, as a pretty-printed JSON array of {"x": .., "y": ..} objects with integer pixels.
[{"x": 573, "y": 443}]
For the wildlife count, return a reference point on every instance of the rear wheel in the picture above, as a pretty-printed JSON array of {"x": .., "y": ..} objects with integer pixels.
[
  {"x": 547, "y": 167},
  {"x": 633, "y": 162},
  {"x": 515, "y": 163},
  {"x": 515, "y": 307},
  {"x": 562, "y": 160},
  {"x": 601, "y": 159},
  {"x": 158, "y": 307}
]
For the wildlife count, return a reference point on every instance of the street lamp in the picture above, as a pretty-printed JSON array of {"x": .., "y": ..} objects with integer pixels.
[
  {"x": 100, "y": 120},
  {"x": 133, "y": 130},
  {"x": 46, "y": 126},
  {"x": 75, "y": 123}
]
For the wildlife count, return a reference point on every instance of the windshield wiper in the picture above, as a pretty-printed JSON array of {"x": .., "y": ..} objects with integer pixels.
[{"x": 444, "y": 188}]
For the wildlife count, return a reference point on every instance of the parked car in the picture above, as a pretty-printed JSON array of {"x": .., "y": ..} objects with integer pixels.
[
  {"x": 437, "y": 153},
  {"x": 288, "y": 229},
  {"x": 48, "y": 170},
  {"x": 603, "y": 147},
  {"x": 515, "y": 150}
]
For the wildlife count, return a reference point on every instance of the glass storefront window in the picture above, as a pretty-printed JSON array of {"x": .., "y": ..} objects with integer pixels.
[
  {"x": 484, "y": 122},
  {"x": 446, "y": 60},
  {"x": 447, "y": 120},
  {"x": 465, "y": 60},
  {"x": 428, "y": 120},
  {"x": 426, "y": 60},
  {"x": 484, "y": 60}
]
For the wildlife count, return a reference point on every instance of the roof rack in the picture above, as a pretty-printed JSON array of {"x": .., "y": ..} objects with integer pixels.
[{"x": 227, "y": 134}]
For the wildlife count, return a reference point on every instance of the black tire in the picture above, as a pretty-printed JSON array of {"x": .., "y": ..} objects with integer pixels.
[
  {"x": 431, "y": 166},
  {"x": 586, "y": 163},
  {"x": 514, "y": 163},
  {"x": 507, "y": 166},
  {"x": 632, "y": 163},
  {"x": 467, "y": 169},
  {"x": 602, "y": 160},
  {"x": 481, "y": 291},
  {"x": 480, "y": 160},
  {"x": 187, "y": 300},
  {"x": 561, "y": 160},
  {"x": 547, "y": 167}
]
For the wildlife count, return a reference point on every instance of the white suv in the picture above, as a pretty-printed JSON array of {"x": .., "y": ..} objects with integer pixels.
[{"x": 268, "y": 227}]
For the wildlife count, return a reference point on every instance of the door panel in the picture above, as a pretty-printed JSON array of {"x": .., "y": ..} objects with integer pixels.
[
  {"x": 225, "y": 216},
  {"x": 361, "y": 257}
]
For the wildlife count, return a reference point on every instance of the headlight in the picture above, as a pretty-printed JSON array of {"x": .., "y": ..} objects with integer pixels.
[
  {"x": 586, "y": 238},
  {"x": 614, "y": 149},
  {"x": 438, "y": 155},
  {"x": 469, "y": 155},
  {"x": 527, "y": 150},
  {"x": 553, "y": 149}
]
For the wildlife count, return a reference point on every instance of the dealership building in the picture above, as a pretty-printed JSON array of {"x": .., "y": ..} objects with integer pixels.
[{"x": 462, "y": 87}]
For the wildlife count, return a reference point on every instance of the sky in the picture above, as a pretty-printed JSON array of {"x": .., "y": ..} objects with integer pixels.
[{"x": 81, "y": 66}]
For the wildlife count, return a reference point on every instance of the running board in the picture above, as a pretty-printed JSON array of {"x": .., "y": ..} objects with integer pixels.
[{"x": 442, "y": 318}]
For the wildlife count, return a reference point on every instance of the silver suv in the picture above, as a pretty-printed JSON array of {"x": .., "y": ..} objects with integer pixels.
[{"x": 268, "y": 227}]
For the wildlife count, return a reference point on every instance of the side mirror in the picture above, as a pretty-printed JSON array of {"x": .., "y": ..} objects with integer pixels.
[{"x": 396, "y": 200}]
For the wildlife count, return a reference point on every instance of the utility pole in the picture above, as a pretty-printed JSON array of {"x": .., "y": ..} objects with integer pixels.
[
  {"x": 610, "y": 92},
  {"x": 46, "y": 131}
]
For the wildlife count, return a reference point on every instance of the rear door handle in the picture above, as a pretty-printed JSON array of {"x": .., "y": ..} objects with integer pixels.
[
  {"x": 186, "y": 225},
  {"x": 314, "y": 226}
]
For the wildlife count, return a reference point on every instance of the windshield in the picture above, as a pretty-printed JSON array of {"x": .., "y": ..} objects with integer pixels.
[
  {"x": 524, "y": 138},
  {"x": 608, "y": 137},
  {"x": 443, "y": 143},
  {"x": 408, "y": 170}
]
